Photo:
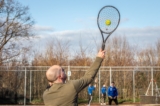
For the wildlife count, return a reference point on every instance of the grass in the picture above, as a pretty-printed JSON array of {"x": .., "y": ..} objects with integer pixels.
[
  {"x": 37, "y": 101},
  {"x": 80, "y": 101},
  {"x": 96, "y": 100}
]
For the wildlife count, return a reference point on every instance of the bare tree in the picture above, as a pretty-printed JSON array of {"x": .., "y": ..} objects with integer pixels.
[
  {"x": 56, "y": 52},
  {"x": 1, "y": 5},
  {"x": 146, "y": 57},
  {"x": 15, "y": 25},
  {"x": 158, "y": 52},
  {"x": 118, "y": 52},
  {"x": 82, "y": 56}
]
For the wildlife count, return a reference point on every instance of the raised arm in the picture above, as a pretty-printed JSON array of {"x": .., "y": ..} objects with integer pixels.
[{"x": 91, "y": 73}]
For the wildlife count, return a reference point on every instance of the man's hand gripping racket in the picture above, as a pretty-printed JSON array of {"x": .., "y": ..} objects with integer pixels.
[{"x": 108, "y": 20}]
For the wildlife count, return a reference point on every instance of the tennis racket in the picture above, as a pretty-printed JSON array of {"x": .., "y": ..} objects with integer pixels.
[{"x": 108, "y": 20}]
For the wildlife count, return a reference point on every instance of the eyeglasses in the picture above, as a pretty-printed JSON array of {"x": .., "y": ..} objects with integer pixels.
[{"x": 63, "y": 70}]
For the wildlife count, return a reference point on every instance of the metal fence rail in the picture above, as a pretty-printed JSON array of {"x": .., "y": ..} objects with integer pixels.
[{"x": 23, "y": 84}]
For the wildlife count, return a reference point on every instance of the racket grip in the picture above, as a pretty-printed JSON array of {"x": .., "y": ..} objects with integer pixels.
[{"x": 103, "y": 46}]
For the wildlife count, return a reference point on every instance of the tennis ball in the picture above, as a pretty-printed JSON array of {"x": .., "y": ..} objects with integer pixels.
[{"x": 108, "y": 22}]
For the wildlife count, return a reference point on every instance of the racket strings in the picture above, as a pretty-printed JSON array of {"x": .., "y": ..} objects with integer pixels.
[{"x": 110, "y": 14}]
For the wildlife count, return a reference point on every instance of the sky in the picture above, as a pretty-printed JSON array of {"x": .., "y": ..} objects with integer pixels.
[{"x": 76, "y": 20}]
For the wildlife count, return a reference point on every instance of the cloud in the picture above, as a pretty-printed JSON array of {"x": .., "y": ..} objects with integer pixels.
[
  {"x": 92, "y": 37},
  {"x": 87, "y": 22},
  {"x": 142, "y": 37},
  {"x": 93, "y": 18},
  {"x": 124, "y": 20},
  {"x": 85, "y": 35},
  {"x": 39, "y": 28},
  {"x": 145, "y": 31}
]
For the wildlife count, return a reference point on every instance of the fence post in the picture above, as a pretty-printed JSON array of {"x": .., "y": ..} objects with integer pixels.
[
  {"x": 110, "y": 75},
  {"x": 69, "y": 70},
  {"x": 152, "y": 79},
  {"x": 30, "y": 85},
  {"x": 25, "y": 87},
  {"x": 133, "y": 86}
]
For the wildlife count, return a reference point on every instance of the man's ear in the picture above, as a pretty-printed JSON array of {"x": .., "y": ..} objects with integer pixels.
[{"x": 60, "y": 76}]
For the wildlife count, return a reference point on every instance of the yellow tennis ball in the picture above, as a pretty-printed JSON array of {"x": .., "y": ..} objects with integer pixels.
[{"x": 108, "y": 22}]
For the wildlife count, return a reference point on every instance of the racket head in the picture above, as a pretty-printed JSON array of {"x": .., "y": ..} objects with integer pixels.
[{"x": 108, "y": 13}]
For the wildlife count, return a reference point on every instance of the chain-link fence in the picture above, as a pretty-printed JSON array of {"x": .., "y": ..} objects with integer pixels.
[{"x": 21, "y": 85}]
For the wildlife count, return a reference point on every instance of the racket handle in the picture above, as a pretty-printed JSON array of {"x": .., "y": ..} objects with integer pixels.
[{"x": 103, "y": 46}]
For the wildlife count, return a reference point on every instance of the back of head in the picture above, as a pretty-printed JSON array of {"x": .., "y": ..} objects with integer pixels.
[{"x": 53, "y": 73}]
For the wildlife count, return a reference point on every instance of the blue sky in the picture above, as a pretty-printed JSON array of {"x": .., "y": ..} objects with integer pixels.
[{"x": 76, "y": 19}]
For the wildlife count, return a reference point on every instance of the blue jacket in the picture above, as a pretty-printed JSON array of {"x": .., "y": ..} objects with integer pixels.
[
  {"x": 90, "y": 89},
  {"x": 112, "y": 91},
  {"x": 103, "y": 90}
]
